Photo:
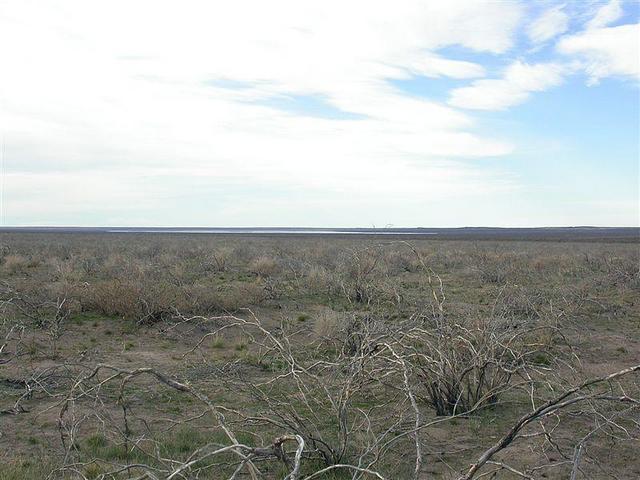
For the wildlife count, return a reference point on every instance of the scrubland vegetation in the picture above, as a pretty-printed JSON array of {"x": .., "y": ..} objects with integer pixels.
[{"x": 213, "y": 357}]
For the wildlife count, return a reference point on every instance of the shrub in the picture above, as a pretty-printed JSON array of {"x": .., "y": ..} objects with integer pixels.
[
  {"x": 318, "y": 280},
  {"x": 220, "y": 257},
  {"x": 15, "y": 263},
  {"x": 205, "y": 299},
  {"x": 327, "y": 324},
  {"x": 264, "y": 266},
  {"x": 360, "y": 275},
  {"x": 64, "y": 270},
  {"x": 466, "y": 364},
  {"x": 242, "y": 296},
  {"x": 143, "y": 302}
]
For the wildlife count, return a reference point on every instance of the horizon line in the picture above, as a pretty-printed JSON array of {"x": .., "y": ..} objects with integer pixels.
[{"x": 295, "y": 227}]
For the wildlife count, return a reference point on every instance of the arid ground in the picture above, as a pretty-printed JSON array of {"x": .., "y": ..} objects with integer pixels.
[{"x": 338, "y": 357}]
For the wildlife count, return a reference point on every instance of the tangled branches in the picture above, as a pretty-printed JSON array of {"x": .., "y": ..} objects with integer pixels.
[{"x": 378, "y": 393}]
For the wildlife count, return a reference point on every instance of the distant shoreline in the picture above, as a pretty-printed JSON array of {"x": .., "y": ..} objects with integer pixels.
[
  {"x": 606, "y": 234},
  {"x": 226, "y": 231}
]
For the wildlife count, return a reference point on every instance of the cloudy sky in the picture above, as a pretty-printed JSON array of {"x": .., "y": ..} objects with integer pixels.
[{"x": 320, "y": 113}]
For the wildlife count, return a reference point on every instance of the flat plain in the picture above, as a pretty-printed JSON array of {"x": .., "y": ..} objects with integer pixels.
[{"x": 168, "y": 355}]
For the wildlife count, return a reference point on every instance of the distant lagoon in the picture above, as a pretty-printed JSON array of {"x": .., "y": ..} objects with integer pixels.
[
  {"x": 582, "y": 233},
  {"x": 270, "y": 231}
]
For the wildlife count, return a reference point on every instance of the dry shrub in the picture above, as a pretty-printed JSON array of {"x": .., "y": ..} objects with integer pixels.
[
  {"x": 65, "y": 270},
  {"x": 492, "y": 267},
  {"x": 177, "y": 273},
  {"x": 468, "y": 363},
  {"x": 360, "y": 275},
  {"x": 328, "y": 324},
  {"x": 317, "y": 390},
  {"x": 15, "y": 263},
  {"x": 397, "y": 262},
  {"x": 220, "y": 258},
  {"x": 204, "y": 299},
  {"x": 445, "y": 260},
  {"x": 137, "y": 301},
  {"x": 120, "y": 265},
  {"x": 89, "y": 265},
  {"x": 318, "y": 280},
  {"x": 360, "y": 335},
  {"x": 113, "y": 298},
  {"x": 243, "y": 253},
  {"x": 243, "y": 295},
  {"x": 554, "y": 264},
  {"x": 264, "y": 266},
  {"x": 517, "y": 302},
  {"x": 231, "y": 298},
  {"x": 70, "y": 291},
  {"x": 624, "y": 271}
]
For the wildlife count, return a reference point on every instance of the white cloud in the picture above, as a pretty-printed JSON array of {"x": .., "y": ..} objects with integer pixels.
[
  {"x": 549, "y": 24},
  {"x": 129, "y": 97},
  {"x": 437, "y": 66},
  {"x": 154, "y": 112},
  {"x": 606, "y": 15},
  {"x": 605, "y": 52},
  {"x": 517, "y": 83}
]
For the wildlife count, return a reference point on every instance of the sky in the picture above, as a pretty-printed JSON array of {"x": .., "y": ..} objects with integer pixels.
[{"x": 320, "y": 113}]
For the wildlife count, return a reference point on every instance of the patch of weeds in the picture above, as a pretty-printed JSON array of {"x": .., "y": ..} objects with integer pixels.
[
  {"x": 93, "y": 471},
  {"x": 174, "y": 409},
  {"x": 98, "y": 446},
  {"x": 129, "y": 328},
  {"x": 95, "y": 443},
  {"x": 115, "y": 452},
  {"x": 187, "y": 439},
  {"x": 32, "y": 348},
  {"x": 273, "y": 365},
  {"x": 217, "y": 342},
  {"x": 264, "y": 363},
  {"x": 303, "y": 317},
  {"x": 85, "y": 317},
  {"x": 541, "y": 358},
  {"x": 25, "y": 470},
  {"x": 481, "y": 422}
]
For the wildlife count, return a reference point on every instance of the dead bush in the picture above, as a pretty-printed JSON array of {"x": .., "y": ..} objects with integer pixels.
[
  {"x": 467, "y": 363},
  {"x": 264, "y": 266},
  {"x": 359, "y": 275},
  {"x": 220, "y": 258},
  {"x": 65, "y": 270},
  {"x": 243, "y": 295},
  {"x": 113, "y": 298},
  {"x": 318, "y": 280},
  {"x": 15, "y": 263},
  {"x": 518, "y": 302},
  {"x": 328, "y": 324},
  {"x": 314, "y": 389},
  {"x": 144, "y": 303},
  {"x": 227, "y": 299},
  {"x": 399, "y": 261}
]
